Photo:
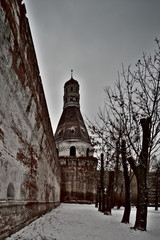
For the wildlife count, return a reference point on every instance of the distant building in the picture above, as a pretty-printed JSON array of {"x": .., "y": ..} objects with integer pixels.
[{"x": 78, "y": 166}]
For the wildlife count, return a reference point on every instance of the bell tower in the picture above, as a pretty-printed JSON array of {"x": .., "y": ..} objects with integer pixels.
[
  {"x": 75, "y": 152},
  {"x": 71, "y": 93}
]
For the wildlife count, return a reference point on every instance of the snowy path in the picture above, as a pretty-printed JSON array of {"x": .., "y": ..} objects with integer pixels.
[{"x": 84, "y": 222}]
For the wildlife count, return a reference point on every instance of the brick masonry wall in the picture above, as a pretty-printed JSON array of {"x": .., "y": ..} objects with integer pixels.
[
  {"x": 16, "y": 215},
  {"x": 29, "y": 167},
  {"x": 79, "y": 182}
]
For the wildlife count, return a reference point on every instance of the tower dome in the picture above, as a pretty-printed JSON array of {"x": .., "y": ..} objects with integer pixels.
[{"x": 71, "y": 128}]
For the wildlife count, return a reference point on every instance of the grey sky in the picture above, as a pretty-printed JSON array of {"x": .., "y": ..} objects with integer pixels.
[{"x": 92, "y": 37}]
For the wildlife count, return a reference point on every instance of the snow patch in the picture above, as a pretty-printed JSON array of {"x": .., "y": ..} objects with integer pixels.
[{"x": 81, "y": 222}]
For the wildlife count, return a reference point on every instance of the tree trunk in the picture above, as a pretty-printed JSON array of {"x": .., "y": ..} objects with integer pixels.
[
  {"x": 117, "y": 162},
  {"x": 97, "y": 196},
  {"x": 142, "y": 200},
  {"x": 100, "y": 200},
  {"x": 109, "y": 194},
  {"x": 127, "y": 209},
  {"x": 102, "y": 183},
  {"x": 157, "y": 192},
  {"x": 141, "y": 172},
  {"x": 119, "y": 200}
]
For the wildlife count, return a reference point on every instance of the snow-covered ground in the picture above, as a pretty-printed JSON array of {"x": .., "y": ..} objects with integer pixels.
[{"x": 84, "y": 222}]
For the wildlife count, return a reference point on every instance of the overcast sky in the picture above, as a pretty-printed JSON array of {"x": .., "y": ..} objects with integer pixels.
[{"x": 92, "y": 37}]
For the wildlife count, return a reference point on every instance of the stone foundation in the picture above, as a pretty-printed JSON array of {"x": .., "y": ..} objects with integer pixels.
[{"x": 16, "y": 215}]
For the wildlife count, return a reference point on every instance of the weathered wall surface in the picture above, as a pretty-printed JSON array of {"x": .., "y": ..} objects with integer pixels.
[
  {"x": 78, "y": 179},
  {"x": 29, "y": 167}
]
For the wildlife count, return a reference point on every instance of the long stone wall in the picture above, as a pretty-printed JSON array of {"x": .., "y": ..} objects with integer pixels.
[{"x": 29, "y": 167}]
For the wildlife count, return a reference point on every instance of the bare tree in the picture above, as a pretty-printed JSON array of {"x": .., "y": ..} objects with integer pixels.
[
  {"x": 157, "y": 181},
  {"x": 135, "y": 102},
  {"x": 132, "y": 112},
  {"x": 106, "y": 148},
  {"x": 154, "y": 182},
  {"x": 127, "y": 209}
]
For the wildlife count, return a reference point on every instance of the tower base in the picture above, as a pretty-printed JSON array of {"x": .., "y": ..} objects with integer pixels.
[{"x": 79, "y": 182}]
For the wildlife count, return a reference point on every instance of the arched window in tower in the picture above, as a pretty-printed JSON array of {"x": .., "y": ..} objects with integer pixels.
[
  {"x": 10, "y": 192},
  {"x": 57, "y": 150},
  {"x": 73, "y": 151},
  {"x": 87, "y": 152}
]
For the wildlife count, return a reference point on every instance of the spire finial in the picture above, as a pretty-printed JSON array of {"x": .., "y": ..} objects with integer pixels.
[{"x": 71, "y": 73}]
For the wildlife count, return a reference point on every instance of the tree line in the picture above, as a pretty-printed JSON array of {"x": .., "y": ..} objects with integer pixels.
[{"x": 127, "y": 133}]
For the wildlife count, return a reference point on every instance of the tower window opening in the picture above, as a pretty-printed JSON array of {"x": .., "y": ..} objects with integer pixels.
[
  {"x": 57, "y": 150},
  {"x": 10, "y": 192},
  {"x": 71, "y": 89},
  {"x": 87, "y": 152},
  {"x": 73, "y": 151}
]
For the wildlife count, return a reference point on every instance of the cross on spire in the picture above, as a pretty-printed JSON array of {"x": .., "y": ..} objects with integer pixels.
[{"x": 71, "y": 73}]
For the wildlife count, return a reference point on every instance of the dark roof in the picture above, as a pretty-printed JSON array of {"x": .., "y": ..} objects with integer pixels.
[
  {"x": 71, "y": 81},
  {"x": 71, "y": 126}
]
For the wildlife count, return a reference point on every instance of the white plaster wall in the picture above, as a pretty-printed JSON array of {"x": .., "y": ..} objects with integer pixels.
[{"x": 81, "y": 148}]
